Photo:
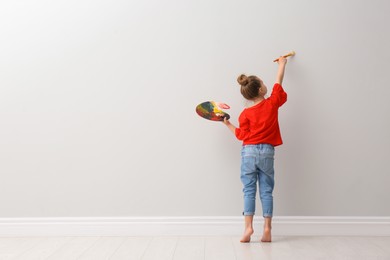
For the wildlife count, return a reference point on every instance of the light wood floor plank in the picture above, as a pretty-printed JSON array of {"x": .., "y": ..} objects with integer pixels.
[
  {"x": 73, "y": 249},
  {"x": 330, "y": 247},
  {"x": 132, "y": 248},
  {"x": 219, "y": 248},
  {"x": 194, "y": 248},
  {"x": 280, "y": 248},
  {"x": 358, "y": 247},
  {"x": 303, "y": 248},
  {"x": 381, "y": 242},
  {"x": 190, "y": 248},
  {"x": 103, "y": 248},
  {"x": 43, "y": 249},
  {"x": 248, "y": 251},
  {"x": 334, "y": 246},
  {"x": 161, "y": 248},
  {"x": 10, "y": 247}
]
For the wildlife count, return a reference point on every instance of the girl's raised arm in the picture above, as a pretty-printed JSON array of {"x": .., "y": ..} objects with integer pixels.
[{"x": 282, "y": 65}]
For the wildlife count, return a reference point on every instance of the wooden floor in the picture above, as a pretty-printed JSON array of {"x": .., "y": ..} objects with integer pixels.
[{"x": 193, "y": 248}]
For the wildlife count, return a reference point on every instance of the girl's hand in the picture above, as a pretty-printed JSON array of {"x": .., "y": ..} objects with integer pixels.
[
  {"x": 282, "y": 60},
  {"x": 226, "y": 121}
]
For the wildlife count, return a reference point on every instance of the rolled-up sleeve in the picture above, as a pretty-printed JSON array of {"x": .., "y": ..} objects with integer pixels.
[{"x": 278, "y": 96}]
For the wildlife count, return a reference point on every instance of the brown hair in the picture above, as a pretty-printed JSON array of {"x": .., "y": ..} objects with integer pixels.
[{"x": 249, "y": 86}]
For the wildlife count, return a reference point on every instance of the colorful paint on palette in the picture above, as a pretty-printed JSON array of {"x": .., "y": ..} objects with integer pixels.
[{"x": 211, "y": 110}]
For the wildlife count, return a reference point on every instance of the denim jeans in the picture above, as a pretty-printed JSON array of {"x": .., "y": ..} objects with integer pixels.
[{"x": 257, "y": 166}]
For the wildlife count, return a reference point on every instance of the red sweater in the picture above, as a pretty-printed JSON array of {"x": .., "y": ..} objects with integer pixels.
[{"x": 259, "y": 124}]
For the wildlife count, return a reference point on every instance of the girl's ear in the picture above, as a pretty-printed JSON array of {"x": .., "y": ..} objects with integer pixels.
[{"x": 261, "y": 91}]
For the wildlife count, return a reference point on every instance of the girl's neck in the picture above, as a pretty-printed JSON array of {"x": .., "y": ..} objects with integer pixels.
[{"x": 257, "y": 100}]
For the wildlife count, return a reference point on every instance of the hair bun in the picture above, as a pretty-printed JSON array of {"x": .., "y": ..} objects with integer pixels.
[{"x": 242, "y": 80}]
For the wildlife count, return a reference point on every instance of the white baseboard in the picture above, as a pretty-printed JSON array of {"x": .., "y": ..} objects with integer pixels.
[{"x": 192, "y": 226}]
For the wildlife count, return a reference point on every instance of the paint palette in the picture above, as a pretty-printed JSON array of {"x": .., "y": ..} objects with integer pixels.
[{"x": 211, "y": 110}]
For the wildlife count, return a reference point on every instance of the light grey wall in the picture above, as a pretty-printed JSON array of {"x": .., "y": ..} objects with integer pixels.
[{"x": 97, "y": 106}]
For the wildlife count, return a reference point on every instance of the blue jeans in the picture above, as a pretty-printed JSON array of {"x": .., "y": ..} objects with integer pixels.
[{"x": 257, "y": 165}]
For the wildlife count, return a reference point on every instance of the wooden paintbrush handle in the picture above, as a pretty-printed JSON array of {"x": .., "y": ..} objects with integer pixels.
[{"x": 287, "y": 55}]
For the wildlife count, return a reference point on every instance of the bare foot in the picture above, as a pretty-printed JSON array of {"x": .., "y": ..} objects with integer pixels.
[
  {"x": 246, "y": 238},
  {"x": 266, "y": 235}
]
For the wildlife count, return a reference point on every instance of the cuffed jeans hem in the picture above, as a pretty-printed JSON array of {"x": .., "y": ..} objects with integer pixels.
[
  {"x": 248, "y": 213},
  {"x": 267, "y": 215}
]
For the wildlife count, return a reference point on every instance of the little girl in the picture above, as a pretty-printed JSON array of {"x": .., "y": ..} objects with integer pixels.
[{"x": 260, "y": 133}]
